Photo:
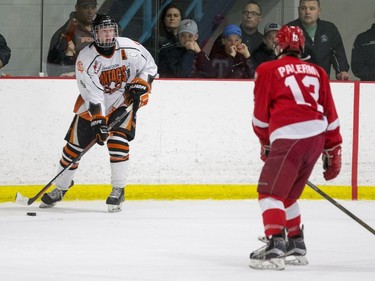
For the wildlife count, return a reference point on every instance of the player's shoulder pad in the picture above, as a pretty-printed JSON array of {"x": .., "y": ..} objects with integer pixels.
[{"x": 127, "y": 42}]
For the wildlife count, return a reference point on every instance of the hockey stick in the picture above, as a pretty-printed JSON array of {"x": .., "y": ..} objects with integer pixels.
[
  {"x": 23, "y": 200},
  {"x": 346, "y": 211}
]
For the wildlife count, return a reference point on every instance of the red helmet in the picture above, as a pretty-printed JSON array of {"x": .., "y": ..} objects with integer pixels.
[{"x": 290, "y": 38}]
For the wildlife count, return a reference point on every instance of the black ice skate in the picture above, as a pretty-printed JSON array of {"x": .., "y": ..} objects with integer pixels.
[
  {"x": 270, "y": 256},
  {"x": 115, "y": 199},
  {"x": 51, "y": 198},
  {"x": 296, "y": 250}
]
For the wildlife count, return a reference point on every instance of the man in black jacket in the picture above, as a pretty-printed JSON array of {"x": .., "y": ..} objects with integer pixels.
[
  {"x": 70, "y": 39},
  {"x": 323, "y": 44},
  {"x": 4, "y": 52},
  {"x": 363, "y": 55}
]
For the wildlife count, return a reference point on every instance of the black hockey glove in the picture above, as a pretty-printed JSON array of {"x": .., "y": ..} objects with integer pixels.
[
  {"x": 99, "y": 128},
  {"x": 137, "y": 92}
]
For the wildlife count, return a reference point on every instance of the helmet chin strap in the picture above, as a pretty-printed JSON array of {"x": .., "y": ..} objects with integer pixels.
[
  {"x": 280, "y": 53},
  {"x": 306, "y": 58}
]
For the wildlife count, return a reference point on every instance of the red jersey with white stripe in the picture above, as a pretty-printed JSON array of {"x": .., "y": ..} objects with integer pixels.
[
  {"x": 293, "y": 100},
  {"x": 102, "y": 79}
]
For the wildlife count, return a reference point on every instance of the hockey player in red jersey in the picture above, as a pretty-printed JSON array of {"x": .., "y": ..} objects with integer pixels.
[
  {"x": 296, "y": 121},
  {"x": 111, "y": 73}
]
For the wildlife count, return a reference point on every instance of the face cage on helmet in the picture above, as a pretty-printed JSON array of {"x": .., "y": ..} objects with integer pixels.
[{"x": 105, "y": 44}]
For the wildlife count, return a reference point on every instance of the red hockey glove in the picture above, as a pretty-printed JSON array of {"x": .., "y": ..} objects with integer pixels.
[
  {"x": 331, "y": 162},
  {"x": 264, "y": 151},
  {"x": 99, "y": 128},
  {"x": 137, "y": 92}
]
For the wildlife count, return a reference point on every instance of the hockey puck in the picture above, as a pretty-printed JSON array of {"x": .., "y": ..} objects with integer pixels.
[{"x": 32, "y": 214}]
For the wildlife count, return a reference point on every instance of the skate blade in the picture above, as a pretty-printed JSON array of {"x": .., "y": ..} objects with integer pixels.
[
  {"x": 114, "y": 208},
  {"x": 296, "y": 260},
  {"x": 272, "y": 264}
]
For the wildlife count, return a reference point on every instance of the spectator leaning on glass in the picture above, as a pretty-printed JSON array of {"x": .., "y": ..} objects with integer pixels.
[
  {"x": 234, "y": 61},
  {"x": 250, "y": 20},
  {"x": 266, "y": 51},
  {"x": 70, "y": 39},
  {"x": 4, "y": 52},
  {"x": 363, "y": 55},
  {"x": 323, "y": 41},
  {"x": 186, "y": 59}
]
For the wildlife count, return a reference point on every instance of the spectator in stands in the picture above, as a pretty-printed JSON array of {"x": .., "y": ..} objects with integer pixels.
[
  {"x": 250, "y": 20},
  {"x": 4, "y": 52},
  {"x": 185, "y": 59},
  {"x": 70, "y": 39},
  {"x": 324, "y": 44},
  {"x": 363, "y": 55},
  {"x": 234, "y": 61},
  {"x": 266, "y": 51},
  {"x": 169, "y": 22}
]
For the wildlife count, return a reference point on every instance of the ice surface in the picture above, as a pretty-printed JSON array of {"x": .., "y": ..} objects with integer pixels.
[{"x": 176, "y": 240}]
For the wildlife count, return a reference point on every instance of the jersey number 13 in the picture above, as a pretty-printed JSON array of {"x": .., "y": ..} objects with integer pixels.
[{"x": 312, "y": 86}]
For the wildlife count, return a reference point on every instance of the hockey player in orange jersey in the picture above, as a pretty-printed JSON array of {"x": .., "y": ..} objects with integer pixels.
[{"x": 111, "y": 73}]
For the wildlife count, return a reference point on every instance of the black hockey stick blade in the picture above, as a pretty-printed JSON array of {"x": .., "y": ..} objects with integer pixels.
[
  {"x": 23, "y": 200},
  {"x": 338, "y": 205},
  {"x": 20, "y": 199}
]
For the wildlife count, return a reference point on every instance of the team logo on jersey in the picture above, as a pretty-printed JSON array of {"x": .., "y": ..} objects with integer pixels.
[
  {"x": 112, "y": 79},
  {"x": 80, "y": 67}
]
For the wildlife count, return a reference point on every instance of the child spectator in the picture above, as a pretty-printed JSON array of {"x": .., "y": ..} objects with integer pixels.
[
  {"x": 266, "y": 51},
  {"x": 185, "y": 59},
  {"x": 251, "y": 17},
  {"x": 233, "y": 61}
]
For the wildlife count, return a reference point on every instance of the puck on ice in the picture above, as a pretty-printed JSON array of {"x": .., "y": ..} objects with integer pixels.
[{"x": 32, "y": 214}]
